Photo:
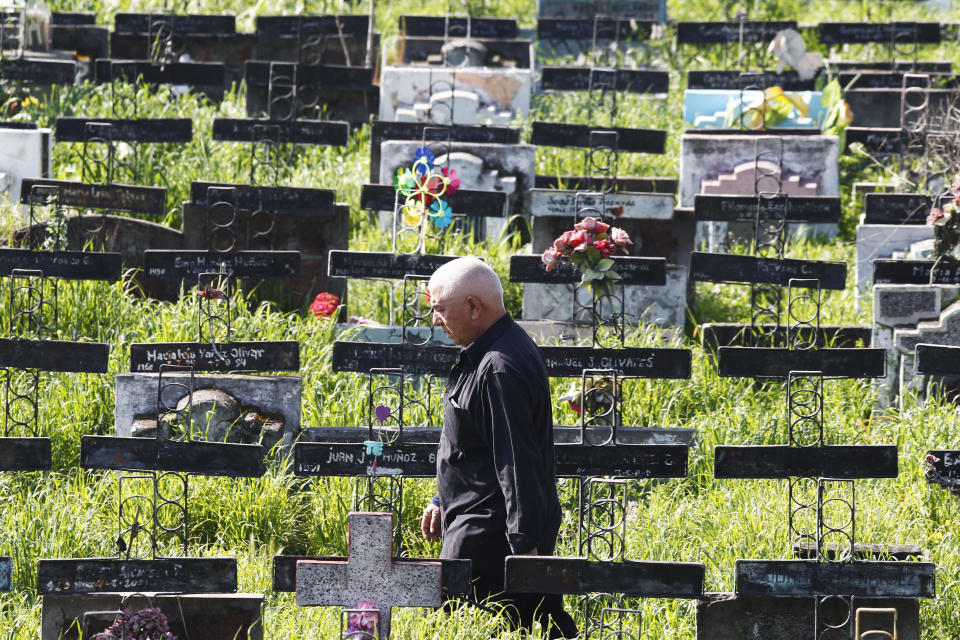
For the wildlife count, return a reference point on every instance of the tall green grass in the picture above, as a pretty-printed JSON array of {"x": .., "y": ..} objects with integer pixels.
[{"x": 70, "y": 512}]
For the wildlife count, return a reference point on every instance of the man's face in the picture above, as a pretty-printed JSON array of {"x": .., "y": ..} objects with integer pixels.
[{"x": 455, "y": 316}]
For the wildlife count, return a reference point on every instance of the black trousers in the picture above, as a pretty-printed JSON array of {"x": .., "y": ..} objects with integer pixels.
[{"x": 487, "y": 550}]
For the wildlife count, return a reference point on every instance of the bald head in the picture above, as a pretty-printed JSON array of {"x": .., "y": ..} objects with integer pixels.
[{"x": 467, "y": 297}]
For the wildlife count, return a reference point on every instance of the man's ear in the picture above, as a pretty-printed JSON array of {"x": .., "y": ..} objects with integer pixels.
[{"x": 473, "y": 307}]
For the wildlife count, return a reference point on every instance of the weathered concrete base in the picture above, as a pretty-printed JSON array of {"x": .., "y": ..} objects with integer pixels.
[
  {"x": 899, "y": 307},
  {"x": 664, "y": 306},
  {"x": 723, "y": 616},
  {"x": 272, "y": 396},
  {"x": 876, "y": 241},
  {"x": 210, "y": 616}
]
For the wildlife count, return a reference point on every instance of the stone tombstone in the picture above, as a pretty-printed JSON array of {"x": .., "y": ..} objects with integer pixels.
[
  {"x": 944, "y": 330},
  {"x": 220, "y": 616},
  {"x": 370, "y": 574},
  {"x": 882, "y": 241},
  {"x": 655, "y": 10},
  {"x": 724, "y": 616},
  {"x": 657, "y": 231},
  {"x": 902, "y": 306},
  {"x": 444, "y": 95},
  {"x": 229, "y": 408},
  {"x": 706, "y": 159},
  {"x": 314, "y": 236},
  {"x": 492, "y": 167},
  {"x": 24, "y": 153},
  {"x": 707, "y": 108}
]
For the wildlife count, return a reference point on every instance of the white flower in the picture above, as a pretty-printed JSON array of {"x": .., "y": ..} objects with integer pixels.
[
  {"x": 788, "y": 48},
  {"x": 808, "y": 65}
]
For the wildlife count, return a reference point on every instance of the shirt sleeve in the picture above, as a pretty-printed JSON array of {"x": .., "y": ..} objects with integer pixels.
[{"x": 516, "y": 456}]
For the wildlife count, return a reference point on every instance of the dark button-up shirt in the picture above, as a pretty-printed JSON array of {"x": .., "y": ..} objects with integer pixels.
[{"x": 496, "y": 466}]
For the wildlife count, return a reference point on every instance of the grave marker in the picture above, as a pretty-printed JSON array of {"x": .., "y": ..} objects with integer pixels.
[
  {"x": 821, "y": 478},
  {"x": 942, "y": 465},
  {"x": 362, "y": 577},
  {"x": 643, "y": 10}
]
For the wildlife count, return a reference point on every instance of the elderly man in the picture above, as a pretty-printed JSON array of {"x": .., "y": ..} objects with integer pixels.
[{"x": 497, "y": 493}]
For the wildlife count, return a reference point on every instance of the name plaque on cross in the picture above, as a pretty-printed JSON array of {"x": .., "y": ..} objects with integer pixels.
[
  {"x": 157, "y": 454},
  {"x": 54, "y": 355},
  {"x": 765, "y": 362},
  {"x": 167, "y": 130},
  {"x": 351, "y": 459},
  {"x": 370, "y": 574},
  {"x": 724, "y": 208},
  {"x": 915, "y": 272},
  {"x": 810, "y": 578},
  {"x": 734, "y": 268},
  {"x": 561, "y": 575},
  {"x": 113, "y": 197},
  {"x": 844, "y": 462},
  {"x": 278, "y": 355},
  {"x": 25, "y": 454},
  {"x": 66, "y": 265},
  {"x": 380, "y": 264},
  {"x": 174, "y": 265},
  {"x": 64, "y": 576}
]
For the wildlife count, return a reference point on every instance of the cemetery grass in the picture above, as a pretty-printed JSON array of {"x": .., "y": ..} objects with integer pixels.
[{"x": 70, "y": 512}]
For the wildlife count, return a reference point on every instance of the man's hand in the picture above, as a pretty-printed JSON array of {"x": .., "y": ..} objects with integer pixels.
[
  {"x": 430, "y": 524},
  {"x": 532, "y": 552}
]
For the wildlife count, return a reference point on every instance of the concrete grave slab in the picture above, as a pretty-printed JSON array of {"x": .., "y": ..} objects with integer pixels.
[
  {"x": 493, "y": 167},
  {"x": 880, "y": 241},
  {"x": 276, "y": 397},
  {"x": 442, "y": 95},
  {"x": 219, "y": 616},
  {"x": 704, "y": 157},
  {"x": 653, "y": 237},
  {"x": 944, "y": 330},
  {"x": 902, "y": 305},
  {"x": 662, "y": 306},
  {"x": 724, "y": 616},
  {"x": 24, "y": 153}
]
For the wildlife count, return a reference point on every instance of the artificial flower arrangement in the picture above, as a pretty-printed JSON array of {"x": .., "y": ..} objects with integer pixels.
[
  {"x": 324, "y": 305},
  {"x": 599, "y": 397},
  {"x": 945, "y": 220},
  {"x": 776, "y": 105},
  {"x": 423, "y": 188},
  {"x": 362, "y": 621},
  {"x": 145, "y": 624},
  {"x": 588, "y": 246}
]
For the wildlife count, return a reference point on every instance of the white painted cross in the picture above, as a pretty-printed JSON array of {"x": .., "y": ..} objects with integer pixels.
[{"x": 370, "y": 574}]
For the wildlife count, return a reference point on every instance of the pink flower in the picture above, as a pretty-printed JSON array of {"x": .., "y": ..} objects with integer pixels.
[
  {"x": 576, "y": 407},
  {"x": 936, "y": 215},
  {"x": 581, "y": 240},
  {"x": 550, "y": 258},
  {"x": 605, "y": 247},
  {"x": 592, "y": 225},
  {"x": 620, "y": 237},
  {"x": 564, "y": 242},
  {"x": 362, "y": 621},
  {"x": 454, "y": 181}
]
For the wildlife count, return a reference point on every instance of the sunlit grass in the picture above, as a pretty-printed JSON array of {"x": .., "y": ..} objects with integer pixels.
[{"x": 70, "y": 512}]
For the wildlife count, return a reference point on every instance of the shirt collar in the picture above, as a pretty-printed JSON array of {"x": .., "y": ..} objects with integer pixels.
[{"x": 474, "y": 352}]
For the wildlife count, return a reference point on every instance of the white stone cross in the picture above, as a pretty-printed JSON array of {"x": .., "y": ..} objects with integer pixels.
[{"x": 370, "y": 574}]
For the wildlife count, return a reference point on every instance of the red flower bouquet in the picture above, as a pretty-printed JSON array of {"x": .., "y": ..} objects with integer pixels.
[
  {"x": 324, "y": 305},
  {"x": 588, "y": 246}
]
